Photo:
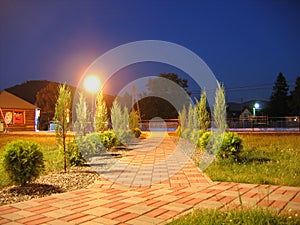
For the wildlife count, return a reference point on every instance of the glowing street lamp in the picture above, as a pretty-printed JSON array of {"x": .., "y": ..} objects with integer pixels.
[
  {"x": 256, "y": 106},
  {"x": 92, "y": 85}
]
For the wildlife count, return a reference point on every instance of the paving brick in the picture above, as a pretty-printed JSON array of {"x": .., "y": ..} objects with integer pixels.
[
  {"x": 167, "y": 215},
  {"x": 73, "y": 216},
  {"x": 156, "y": 212},
  {"x": 4, "y": 220},
  {"x": 30, "y": 218},
  {"x": 57, "y": 222},
  {"x": 115, "y": 215},
  {"x": 279, "y": 204},
  {"x": 138, "y": 209},
  {"x": 7, "y": 209},
  {"x": 128, "y": 216},
  {"x": 83, "y": 219},
  {"x": 159, "y": 203},
  {"x": 59, "y": 213},
  {"x": 179, "y": 207},
  {"x": 145, "y": 220},
  {"x": 46, "y": 200},
  {"x": 40, "y": 221},
  {"x": 99, "y": 211},
  {"x": 194, "y": 201}
]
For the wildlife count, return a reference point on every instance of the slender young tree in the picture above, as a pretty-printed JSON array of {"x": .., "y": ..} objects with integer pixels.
[
  {"x": 203, "y": 115},
  {"x": 101, "y": 116},
  {"x": 83, "y": 116},
  {"x": 278, "y": 105},
  {"x": 62, "y": 115},
  {"x": 220, "y": 108}
]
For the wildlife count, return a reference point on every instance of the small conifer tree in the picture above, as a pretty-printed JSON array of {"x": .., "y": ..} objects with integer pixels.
[
  {"x": 101, "y": 117},
  {"x": 83, "y": 116},
  {"x": 203, "y": 115}
]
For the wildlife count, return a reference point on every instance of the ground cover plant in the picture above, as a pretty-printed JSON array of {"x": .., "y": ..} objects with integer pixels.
[
  {"x": 256, "y": 216},
  {"x": 265, "y": 159}
]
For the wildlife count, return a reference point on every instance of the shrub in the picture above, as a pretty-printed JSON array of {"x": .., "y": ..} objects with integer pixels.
[
  {"x": 230, "y": 148},
  {"x": 90, "y": 144},
  {"x": 108, "y": 139},
  {"x": 123, "y": 137},
  {"x": 23, "y": 161},
  {"x": 136, "y": 132},
  {"x": 186, "y": 133},
  {"x": 74, "y": 155},
  {"x": 203, "y": 140}
]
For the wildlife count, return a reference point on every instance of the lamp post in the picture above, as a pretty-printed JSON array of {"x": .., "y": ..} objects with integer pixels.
[
  {"x": 92, "y": 85},
  {"x": 256, "y": 106}
]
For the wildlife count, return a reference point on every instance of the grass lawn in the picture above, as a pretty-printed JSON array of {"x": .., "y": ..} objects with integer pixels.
[
  {"x": 52, "y": 155},
  {"x": 265, "y": 159},
  {"x": 255, "y": 216}
]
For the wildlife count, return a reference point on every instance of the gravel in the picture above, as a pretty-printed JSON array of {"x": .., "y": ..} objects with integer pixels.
[{"x": 76, "y": 178}]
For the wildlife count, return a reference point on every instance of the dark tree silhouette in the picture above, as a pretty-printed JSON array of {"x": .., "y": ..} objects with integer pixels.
[
  {"x": 46, "y": 99},
  {"x": 278, "y": 105},
  {"x": 294, "y": 103},
  {"x": 156, "y": 106}
]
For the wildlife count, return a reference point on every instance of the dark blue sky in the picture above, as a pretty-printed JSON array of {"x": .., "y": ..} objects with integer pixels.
[{"x": 245, "y": 43}]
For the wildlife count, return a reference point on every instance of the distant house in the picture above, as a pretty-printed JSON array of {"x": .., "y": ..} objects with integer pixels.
[
  {"x": 16, "y": 113},
  {"x": 246, "y": 114}
]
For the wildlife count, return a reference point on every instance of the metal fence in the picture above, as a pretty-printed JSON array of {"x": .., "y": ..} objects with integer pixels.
[
  {"x": 265, "y": 123},
  {"x": 256, "y": 123}
]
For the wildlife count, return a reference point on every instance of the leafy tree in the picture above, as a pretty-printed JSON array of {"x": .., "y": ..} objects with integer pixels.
[
  {"x": 62, "y": 115},
  {"x": 295, "y": 99},
  {"x": 83, "y": 116},
  {"x": 203, "y": 115},
  {"x": 101, "y": 116},
  {"x": 46, "y": 99},
  {"x": 162, "y": 94},
  {"x": 175, "y": 78},
  {"x": 278, "y": 105}
]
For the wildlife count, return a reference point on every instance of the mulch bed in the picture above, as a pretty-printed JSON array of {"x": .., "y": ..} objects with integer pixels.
[{"x": 76, "y": 178}]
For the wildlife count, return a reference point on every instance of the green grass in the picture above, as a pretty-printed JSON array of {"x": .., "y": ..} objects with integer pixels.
[
  {"x": 52, "y": 155},
  {"x": 265, "y": 159},
  {"x": 255, "y": 216}
]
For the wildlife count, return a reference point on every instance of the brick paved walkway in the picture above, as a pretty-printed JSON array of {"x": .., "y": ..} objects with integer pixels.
[{"x": 128, "y": 197}]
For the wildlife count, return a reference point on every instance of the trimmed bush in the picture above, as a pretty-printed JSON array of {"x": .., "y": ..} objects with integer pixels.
[
  {"x": 23, "y": 161},
  {"x": 74, "y": 155},
  {"x": 136, "y": 132},
  {"x": 203, "y": 140},
  {"x": 230, "y": 148},
  {"x": 108, "y": 139},
  {"x": 90, "y": 144}
]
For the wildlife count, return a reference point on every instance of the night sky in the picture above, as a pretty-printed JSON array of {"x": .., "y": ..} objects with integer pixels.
[{"x": 245, "y": 43}]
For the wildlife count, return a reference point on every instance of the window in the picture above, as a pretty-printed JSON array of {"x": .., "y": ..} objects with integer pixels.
[{"x": 18, "y": 117}]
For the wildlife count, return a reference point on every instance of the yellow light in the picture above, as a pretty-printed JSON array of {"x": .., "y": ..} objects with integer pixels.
[{"x": 92, "y": 84}]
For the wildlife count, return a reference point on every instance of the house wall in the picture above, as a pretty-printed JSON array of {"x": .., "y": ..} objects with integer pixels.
[{"x": 22, "y": 119}]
